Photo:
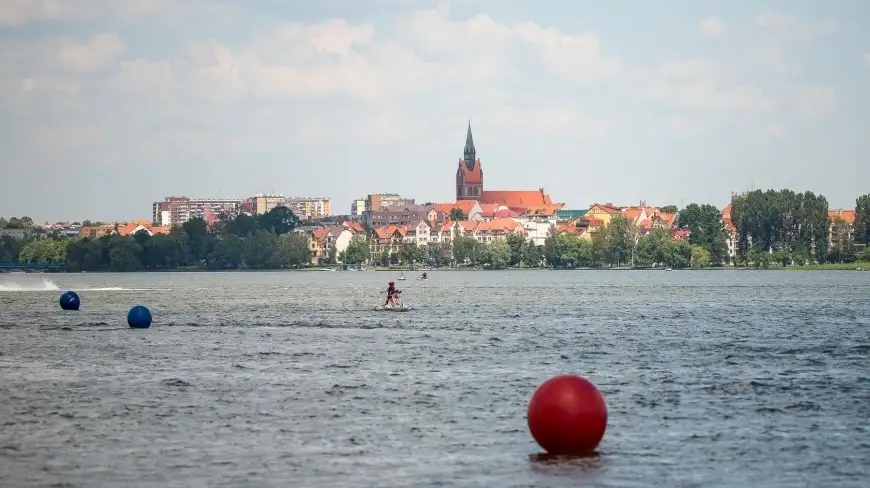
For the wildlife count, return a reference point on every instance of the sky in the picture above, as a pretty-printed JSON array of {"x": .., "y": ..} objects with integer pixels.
[{"x": 107, "y": 106}]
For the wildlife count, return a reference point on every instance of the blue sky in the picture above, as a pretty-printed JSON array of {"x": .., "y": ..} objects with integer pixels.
[{"x": 108, "y": 106}]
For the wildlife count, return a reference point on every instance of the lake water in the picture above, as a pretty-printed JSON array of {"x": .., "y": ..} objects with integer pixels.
[{"x": 720, "y": 378}]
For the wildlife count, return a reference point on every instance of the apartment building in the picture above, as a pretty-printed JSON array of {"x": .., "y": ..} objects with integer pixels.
[
  {"x": 262, "y": 203},
  {"x": 357, "y": 207},
  {"x": 310, "y": 207},
  {"x": 175, "y": 211}
]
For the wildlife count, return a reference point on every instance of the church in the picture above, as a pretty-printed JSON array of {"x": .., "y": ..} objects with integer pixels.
[{"x": 469, "y": 186}]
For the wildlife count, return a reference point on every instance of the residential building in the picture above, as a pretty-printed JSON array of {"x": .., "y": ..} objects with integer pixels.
[
  {"x": 565, "y": 214},
  {"x": 603, "y": 212},
  {"x": 847, "y": 216},
  {"x": 309, "y": 208},
  {"x": 471, "y": 209},
  {"x": 645, "y": 218},
  {"x": 388, "y": 238},
  {"x": 175, "y": 211},
  {"x": 263, "y": 203},
  {"x": 537, "y": 227},
  {"x": 376, "y": 201},
  {"x": 123, "y": 229},
  {"x": 469, "y": 186},
  {"x": 357, "y": 207},
  {"x": 404, "y": 216},
  {"x": 65, "y": 229},
  {"x": 731, "y": 230},
  {"x": 386, "y": 242},
  {"x": 324, "y": 239},
  {"x": 582, "y": 227}
]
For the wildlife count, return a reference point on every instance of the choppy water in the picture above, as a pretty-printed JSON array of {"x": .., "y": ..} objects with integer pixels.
[{"x": 722, "y": 378}]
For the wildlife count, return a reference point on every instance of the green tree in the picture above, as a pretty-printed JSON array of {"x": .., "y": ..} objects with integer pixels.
[
  {"x": 531, "y": 255},
  {"x": 261, "y": 251},
  {"x": 862, "y": 219},
  {"x": 516, "y": 243},
  {"x": 680, "y": 253},
  {"x": 438, "y": 254},
  {"x": 16, "y": 223},
  {"x": 242, "y": 225},
  {"x": 227, "y": 253},
  {"x": 653, "y": 249},
  {"x": 465, "y": 249},
  {"x": 497, "y": 254},
  {"x": 10, "y": 248},
  {"x": 200, "y": 241},
  {"x": 669, "y": 209},
  {"x": 410, "y": 253},
  {"x": 620, "y": 240},
  {"x": 357, "y": 251},
  {"x": 279, "y": 220},
  {"x": 294, "y": 249},
  {"x": 123, "y": 254},
  {"x": 456, "y": 214},
  {"x": 706, "y": 229},
  {"x": 600, "y": 250},
  {"x": 842, "y": 249},
  {"x": 780, "y": 221},
  {"x": 700, "y": 257}
]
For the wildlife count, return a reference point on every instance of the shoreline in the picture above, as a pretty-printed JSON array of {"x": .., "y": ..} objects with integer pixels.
[{"x": 857, "y": 266}]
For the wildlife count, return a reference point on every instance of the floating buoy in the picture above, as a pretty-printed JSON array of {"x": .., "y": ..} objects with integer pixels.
[
  {"x": 69, "y": 300},
  {"x": 139, "y": 317},
  {"x": 567, "y": 415}
]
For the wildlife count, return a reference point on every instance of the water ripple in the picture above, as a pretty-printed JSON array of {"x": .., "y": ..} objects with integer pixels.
[{"x": 260, "y": 379}]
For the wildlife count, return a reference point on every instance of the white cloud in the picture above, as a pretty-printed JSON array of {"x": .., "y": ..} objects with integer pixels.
[
  {"x": 711, "y": 27},
  {"x": 17, "y": 13},
  {"x": 374, "y": 85},
  {"x": 98, "y": 53},
  {"x": 867, "y": 58},
  {"x": 787, "y": 27}
]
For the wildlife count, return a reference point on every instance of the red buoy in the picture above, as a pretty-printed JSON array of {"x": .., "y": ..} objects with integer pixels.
[{"x": 567, "y": 415}]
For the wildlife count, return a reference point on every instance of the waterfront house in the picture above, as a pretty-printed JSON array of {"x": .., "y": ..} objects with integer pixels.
[
  {"x": 386, "y": 242},
  {"x": 603, "y": 212}
]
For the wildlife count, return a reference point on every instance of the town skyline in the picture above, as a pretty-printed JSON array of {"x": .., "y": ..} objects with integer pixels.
[{"x": 115, "y": 106}]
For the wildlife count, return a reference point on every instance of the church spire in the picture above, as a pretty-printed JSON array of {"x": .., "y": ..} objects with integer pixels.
[{"x": 469, "y": 154}]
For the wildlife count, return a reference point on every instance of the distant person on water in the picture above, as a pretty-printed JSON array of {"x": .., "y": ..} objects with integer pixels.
[
  {"x": 391, "y": 292},
  {"x": 424, "y": 275}
]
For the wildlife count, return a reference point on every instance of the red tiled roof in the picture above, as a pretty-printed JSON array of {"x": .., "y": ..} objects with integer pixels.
[
  {"x": 444, "y": 207},
  {"x": 726, "y": 218},
  {"x": 500, "y": 225},
  {"x": 388, "y": 231},
  {"x": 847, "y": 215},
  {"x": 519, "y": 198},
  {"x": 353, "y": 226},
  {"x": 505, "y": 213},
  {"x": 607, "y": 207},
  {"x": 465, "y": 206}
]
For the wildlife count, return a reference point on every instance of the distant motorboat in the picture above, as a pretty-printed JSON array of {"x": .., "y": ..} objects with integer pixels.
[{"x": 401, "y": 277}]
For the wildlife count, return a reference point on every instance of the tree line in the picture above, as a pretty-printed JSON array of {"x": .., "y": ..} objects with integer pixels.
[
  {"x": 788, "y": 228},
  {"x": 773, "y": 226}
]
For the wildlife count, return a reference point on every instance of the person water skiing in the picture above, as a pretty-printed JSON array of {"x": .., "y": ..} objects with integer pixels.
[{"x": 391, "y": 291}]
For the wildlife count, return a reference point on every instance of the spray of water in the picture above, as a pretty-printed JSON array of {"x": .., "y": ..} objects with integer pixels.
[{"x": 44, "y": 285}]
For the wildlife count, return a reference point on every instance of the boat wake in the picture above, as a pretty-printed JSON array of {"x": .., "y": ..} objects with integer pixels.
[{"x": 48, "y": 285}]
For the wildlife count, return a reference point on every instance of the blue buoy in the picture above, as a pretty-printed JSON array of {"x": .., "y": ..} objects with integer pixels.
[
  {"x": 69, "y": 300},
  {"x": 139, "y": 317}
]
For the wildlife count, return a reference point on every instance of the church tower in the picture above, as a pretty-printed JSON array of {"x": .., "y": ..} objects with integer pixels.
[{"x": 469, "y": 176}]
